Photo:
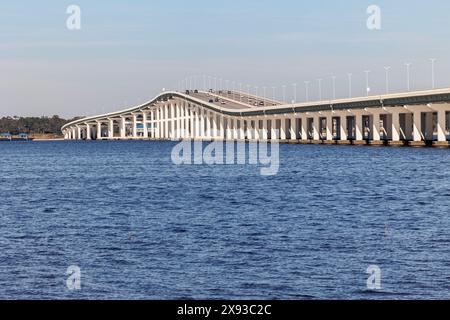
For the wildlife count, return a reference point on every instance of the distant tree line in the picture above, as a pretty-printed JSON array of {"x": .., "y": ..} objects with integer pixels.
[{"x": 33, "y": 125}]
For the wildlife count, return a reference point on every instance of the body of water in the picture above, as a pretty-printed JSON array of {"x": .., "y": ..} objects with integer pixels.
[{"x": 140, "y": 227}]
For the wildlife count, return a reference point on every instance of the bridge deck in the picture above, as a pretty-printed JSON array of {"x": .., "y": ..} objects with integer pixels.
[{"x": 234, "y": 100}]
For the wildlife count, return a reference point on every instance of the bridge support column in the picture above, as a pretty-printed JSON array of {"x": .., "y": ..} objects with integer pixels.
[
  {"x": 195, "y": 124},
  {"x": 293, "y": 129},
  {"x": 134, "y": 126},
  {"x": 88, "y": 131},
  {"x": 79, "y": 133},
  {"x": 182, "y": 122},
  {"x": 417, "y": 131},
  {"x": 179, "y": 121},
  {"x": 241, "y": 129},
  {"x": 145, "y": 125},
  {"x": 99, "y": 131},
  {"x": 198, "y": 119},
  {"x": 409, "y": 126},
  {"x": 208, "y": 125},
  {"x": 316, "y": 126},
  {"x": 123, "y": 128},
  {"x": 359, "y": 126},
  {"x": 166, "y": 122},
  {"x": 257, "y": 130},
  {"x": 283, "y": 129},
  {"x": 429, "y": 126},
  {"x": 343, "y": 127},
  {"x": 304, "y": 128},
  {"x": 250, "y": 131},
  {"x": 173, "y": 121},
  {"x": 203, "y": 116},
  {"x": 395, "y": 126},
  {"x": 221, "y": 127},
  {"x": 274, "y": 132},
  {"x": 441, "y": 127},
  {"x": 157, "y": 129},
  {"x": 236, "y": 129},
  {"x": 161, "y": 123},
  {"x": 330, "y": 127},
  {"x": 170, "y": 122},
  {"x": 376, "y": 127},
  {"x": 111, "y": 129},
  {"x": 265, "y": 134},
  {"x": 215, "y": 132},
  {"x": 227, "y": 128}
]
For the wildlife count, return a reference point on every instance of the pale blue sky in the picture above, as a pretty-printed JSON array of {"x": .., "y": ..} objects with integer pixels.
[{"x": 127, "y": 51}]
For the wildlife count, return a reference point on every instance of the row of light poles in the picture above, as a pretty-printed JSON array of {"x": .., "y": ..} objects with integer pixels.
[{"x": 216, "y": 83}]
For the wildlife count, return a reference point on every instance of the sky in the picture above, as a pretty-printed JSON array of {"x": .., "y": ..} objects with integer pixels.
[{"x": 126, "y": 52}]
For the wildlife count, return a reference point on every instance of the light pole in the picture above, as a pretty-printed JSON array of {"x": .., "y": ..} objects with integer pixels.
[
  {"x": 233, "y": 89},
  {"x": 264, "y": 96},
  {"x": 387, "y": 78},
  {"x": 320, "y": 89},
  {"x": 367, "y": 82},
  {"x": 433, "y": 60},
  {"x": 273, "y": 94},
  {"x": 248, "y": 94},
  {"x": 294, "y": 85},
  {"x": 307, "y": 90},
  {"x": 333, "y": 78},
  {"x": 349, "y": 85},
  {"x": 284, "y": 94},
  {"x": 408, "y": 69},
  {"x": 240, "y": 92}
]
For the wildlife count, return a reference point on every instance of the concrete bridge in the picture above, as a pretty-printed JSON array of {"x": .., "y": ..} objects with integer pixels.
[{"x": 413, "y": 118}]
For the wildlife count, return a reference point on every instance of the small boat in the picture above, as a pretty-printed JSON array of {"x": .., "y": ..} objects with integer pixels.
[
  {"x": 5, "y": 137},
  {"x": 21, "y": 137}
]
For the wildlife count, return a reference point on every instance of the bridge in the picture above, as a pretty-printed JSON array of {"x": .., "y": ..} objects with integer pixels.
[{"x": 412, "y": 118}]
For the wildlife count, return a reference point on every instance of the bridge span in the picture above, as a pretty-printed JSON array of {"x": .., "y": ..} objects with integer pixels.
[{"x": 413, "y": 118}]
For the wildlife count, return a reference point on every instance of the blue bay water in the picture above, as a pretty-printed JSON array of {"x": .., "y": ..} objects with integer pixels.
[{"x": 140, "y": 227}]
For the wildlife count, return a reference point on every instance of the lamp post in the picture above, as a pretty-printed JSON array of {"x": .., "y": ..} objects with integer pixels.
[
  {"x": 433, "y": 61},
  {"x": 240, "y": 92},
  {"x": 320, "y": 88},
  {"x": 333, "y": 78},
  {"x": 294, "y": 85},
  {"x": 408, "y": 70},
  {"x": 307, "y": 90},
  {"x": 264, "y": 96},
  {"x": 387, "y": 78},
  {"x": 349, "y": 84},
  {"x": 367, "y": 72}
]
